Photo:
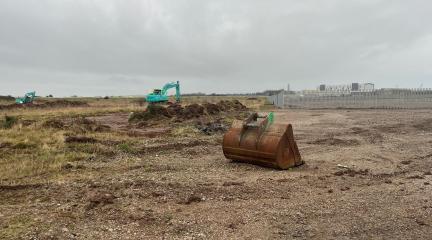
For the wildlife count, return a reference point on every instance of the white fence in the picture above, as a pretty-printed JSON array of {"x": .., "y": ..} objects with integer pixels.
[
  {"x": 390, "y": 99},
  {"x": 277, "y": 100}
]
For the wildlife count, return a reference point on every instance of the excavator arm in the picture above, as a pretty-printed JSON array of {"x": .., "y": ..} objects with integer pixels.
[{"x": 170, "y": 85}]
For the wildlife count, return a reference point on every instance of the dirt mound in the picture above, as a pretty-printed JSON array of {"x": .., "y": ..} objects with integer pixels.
[
  {"x": 212, "y": 108},
  {"x": 226, "y": 105},
  {"x": 48, "y": 104},
  {"x": 193, "y": 111},
  {"x": 153, "y": 111},
  {"x": 175, "y": 110}
]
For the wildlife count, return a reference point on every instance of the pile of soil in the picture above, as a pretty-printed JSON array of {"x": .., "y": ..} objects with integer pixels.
[
  {"x": 80, "y": 125},
  {"x": 234, "y": 105},
  {"x": 49, "y": 104},
  {"x": 157, "y": 112}
]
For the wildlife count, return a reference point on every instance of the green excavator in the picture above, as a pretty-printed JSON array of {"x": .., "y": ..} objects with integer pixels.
[
  {"x": 161, "y": 95},
  {"x": 28, "y": 98}
]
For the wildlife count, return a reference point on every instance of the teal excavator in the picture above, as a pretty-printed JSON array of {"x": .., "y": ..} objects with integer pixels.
[
  {"x": 161, "y": 95},
  {"x": 28, "y": 98}
]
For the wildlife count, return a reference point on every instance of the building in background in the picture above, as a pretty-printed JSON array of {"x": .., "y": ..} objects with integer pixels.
[
  {"x": 348, "y": 88},
  {"x": 343, "y": 89}
]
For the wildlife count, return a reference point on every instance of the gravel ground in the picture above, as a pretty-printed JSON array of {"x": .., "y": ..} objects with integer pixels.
[{"x": 367, "y": 176}]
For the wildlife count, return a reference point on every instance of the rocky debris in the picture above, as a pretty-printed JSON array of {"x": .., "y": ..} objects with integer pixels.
[
  {"x": 351, "y": 172},
  {"x": 79, "y": 139},
  {"x": 99, "y": 198},
  {"x": 192, "y": 199},
  {"x": 210, "y": 128}
]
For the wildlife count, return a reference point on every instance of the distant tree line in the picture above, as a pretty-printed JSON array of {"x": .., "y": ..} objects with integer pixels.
[{"x": 8, "y": 97}]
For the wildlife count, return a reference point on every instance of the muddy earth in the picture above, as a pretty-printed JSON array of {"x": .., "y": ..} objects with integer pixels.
[{"x": 367, "y": 176}]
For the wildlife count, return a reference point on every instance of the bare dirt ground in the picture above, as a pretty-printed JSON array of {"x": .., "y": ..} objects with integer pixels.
[{"x": 367, "y": 176}]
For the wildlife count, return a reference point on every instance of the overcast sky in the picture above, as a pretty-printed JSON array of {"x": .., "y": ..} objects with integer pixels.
[{"x": 118, "y": 47}]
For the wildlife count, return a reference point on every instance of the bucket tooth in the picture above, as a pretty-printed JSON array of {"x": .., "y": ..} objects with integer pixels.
[{"x": 258, "y": 140}]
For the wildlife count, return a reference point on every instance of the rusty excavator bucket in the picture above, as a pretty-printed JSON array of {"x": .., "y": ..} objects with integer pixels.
[{"x": 259, "y": 140}]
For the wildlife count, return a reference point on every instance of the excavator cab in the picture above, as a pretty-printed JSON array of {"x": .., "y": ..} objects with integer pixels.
[{"x": 157, "y": 91}]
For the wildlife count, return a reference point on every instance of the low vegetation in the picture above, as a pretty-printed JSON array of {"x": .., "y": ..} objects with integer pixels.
[{"x": 37, "y": 144}]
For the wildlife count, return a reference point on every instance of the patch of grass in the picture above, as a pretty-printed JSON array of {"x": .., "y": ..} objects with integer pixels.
[
  {"x": 37, "y": 152},
  {"x": 9, "y": 122},
  {"x": 15, "y": 227},
  {"x": 185, "y": 131},
  {"x": 127, "y": 148}
]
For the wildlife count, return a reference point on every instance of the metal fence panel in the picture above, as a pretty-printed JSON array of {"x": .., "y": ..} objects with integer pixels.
[{"x": 394, "y": 99}]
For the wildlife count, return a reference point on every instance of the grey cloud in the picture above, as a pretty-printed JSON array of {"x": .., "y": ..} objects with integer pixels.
[{"x": 128, "y": 47}]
